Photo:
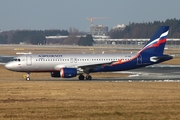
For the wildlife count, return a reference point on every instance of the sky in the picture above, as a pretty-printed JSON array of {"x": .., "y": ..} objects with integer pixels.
[{"x": 63, "y": 14}]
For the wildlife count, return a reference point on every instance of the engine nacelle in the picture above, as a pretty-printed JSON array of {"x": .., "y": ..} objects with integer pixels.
[
  {"x": 68, "y": 72},
  {"x": 55, "y": 74}
]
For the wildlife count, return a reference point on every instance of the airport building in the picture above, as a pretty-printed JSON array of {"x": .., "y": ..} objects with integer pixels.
[
  {"x": 119, "y": 27},
  {"x": 170, "y": 41},
  {"x": 106, "y": 40},
  {"x": 98, "y": 30}
]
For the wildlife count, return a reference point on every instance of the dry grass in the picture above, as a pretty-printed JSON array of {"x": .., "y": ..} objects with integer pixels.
[
  {"x": 81, "y": 100},
  {"x": 9, "y": 50},
  {"x": 88, "y": 100}
]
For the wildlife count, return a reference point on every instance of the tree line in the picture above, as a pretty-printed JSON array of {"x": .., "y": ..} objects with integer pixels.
[
  {"x": 146, "y": 29},
  {"x": 34, "y": 37},
  {"x": 38, "y": 37}
]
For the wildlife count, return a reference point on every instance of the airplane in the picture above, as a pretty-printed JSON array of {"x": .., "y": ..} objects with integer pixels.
[{"x": 72, "y": 65}]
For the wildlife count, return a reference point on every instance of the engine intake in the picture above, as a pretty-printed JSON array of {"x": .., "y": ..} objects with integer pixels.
[{"x": 68, "y": 72}]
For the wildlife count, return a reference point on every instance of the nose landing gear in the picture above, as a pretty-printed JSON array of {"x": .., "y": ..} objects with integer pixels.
[{"x": 28, "y": 76}]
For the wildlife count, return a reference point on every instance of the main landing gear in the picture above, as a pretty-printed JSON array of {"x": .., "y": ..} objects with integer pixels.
[{"x": 88, "y": 77}]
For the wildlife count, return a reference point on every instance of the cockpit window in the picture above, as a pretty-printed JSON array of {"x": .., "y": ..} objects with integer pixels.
[{"x": 16, "y": 59}]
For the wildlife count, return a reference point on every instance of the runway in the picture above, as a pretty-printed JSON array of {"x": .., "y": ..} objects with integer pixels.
[{"x": 156, "y": 72}]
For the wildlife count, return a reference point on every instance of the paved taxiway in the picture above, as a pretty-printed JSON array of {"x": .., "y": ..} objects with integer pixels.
[{"x": 156, "y": 72}]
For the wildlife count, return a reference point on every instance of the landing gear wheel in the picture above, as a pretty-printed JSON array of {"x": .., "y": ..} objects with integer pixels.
[
  {"x": 88, "y": 77},
  {"x": 81, "y": 77},
  {"x": 28, "y": 78}
]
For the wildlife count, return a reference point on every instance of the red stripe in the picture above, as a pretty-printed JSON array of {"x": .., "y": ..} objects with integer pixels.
[{"x": 155, "y": 45}]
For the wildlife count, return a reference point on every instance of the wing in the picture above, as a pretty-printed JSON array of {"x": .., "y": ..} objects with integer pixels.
[
  {"x": 89, "y": 66},
  {"x": 83, "y": 66},
  {"x": 94, "y": 65}
]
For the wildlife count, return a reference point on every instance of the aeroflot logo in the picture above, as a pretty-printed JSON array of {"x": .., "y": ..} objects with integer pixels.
[
  {"x": 56, "y": 55},
  {"x": 162, "y": 38},
  {"x": 156, "y": 42}
]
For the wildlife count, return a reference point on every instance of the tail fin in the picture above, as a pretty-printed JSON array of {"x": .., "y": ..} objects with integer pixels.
[{"x": 157, "y": 42}]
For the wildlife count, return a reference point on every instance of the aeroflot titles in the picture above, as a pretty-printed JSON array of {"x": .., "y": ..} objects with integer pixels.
[{"x": 50, "y": 55}]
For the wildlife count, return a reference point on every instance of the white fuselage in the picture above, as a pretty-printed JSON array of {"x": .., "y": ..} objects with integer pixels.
[{"x": 54, "y": 62}]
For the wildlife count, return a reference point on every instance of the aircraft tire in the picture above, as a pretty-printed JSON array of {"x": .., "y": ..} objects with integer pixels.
[
  {"x": 88, "y": 77},
  {"x": 81, "y": 77},
  {"x": 28, "y": 78}
]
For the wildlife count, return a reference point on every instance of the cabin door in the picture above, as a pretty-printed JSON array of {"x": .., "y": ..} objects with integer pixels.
[
  {"x": 73, "y": 60},
  {"x": 28, "y": 60}
]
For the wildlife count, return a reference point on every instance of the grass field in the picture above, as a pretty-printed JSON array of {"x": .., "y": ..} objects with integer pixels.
[
  {"x": 39, "y": 100},
  {"x": 46, "y": 98}
]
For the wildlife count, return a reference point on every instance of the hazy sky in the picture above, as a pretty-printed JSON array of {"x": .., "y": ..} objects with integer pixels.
[{"x": 62, "y": 14}]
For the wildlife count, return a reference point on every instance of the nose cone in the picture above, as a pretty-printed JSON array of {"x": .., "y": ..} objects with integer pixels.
[{"x": 9, "y": 66}]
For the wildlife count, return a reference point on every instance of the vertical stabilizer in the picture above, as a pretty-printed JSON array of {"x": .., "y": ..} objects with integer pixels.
[{"x": 156, "y": 44}]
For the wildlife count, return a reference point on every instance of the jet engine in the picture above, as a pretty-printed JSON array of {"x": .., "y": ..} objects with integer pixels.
[
  {"x": 65, "y": 73},
  {"x": 68, "y": 72}
]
